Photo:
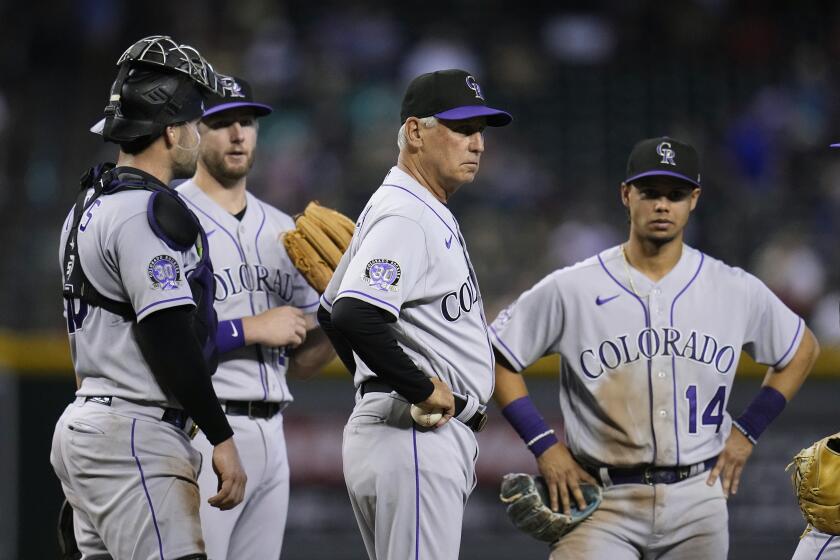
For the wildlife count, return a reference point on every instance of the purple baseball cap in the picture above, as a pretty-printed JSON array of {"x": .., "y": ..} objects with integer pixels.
[
  {"x": 238, "y": 93},
  {"x": 450, "y": 95},
  {"x": 664, "y": 156}
]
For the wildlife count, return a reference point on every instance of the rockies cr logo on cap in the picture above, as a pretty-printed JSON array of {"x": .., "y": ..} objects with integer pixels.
[
  {"x": 473, "y": 85},
  {"x": 664, "y": 150}
]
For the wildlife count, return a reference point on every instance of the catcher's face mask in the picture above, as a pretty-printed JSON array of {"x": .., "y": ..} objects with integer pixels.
[{"x": 159, "y": 83}]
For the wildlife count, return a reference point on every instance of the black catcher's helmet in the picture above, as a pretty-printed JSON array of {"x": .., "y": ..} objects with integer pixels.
[{"x": 159, "y": 83}]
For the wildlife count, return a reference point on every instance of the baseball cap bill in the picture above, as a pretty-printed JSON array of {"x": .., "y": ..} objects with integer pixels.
[
  {"x": 664, "y": 156},
  {"x": 449, "y": 95},
  {"x": 238, "y": 94}
]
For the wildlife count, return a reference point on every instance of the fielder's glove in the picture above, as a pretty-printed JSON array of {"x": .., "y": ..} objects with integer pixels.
[
  {"x": 315, "y": 246},
  {"x": 528, "y": 506},
  {"x": 816, "y": 482}
]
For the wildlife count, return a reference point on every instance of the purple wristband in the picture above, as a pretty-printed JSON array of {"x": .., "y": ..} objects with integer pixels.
[
  {"x": 526, "y": 420},
  {"x": 230, "y": 335},
  {"x": 763, "y": 409}
]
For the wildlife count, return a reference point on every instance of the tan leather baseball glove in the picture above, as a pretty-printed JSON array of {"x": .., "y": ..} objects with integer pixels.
[
  {"x": 315, "y": 246},
  {"x": 816, "y": 482}
]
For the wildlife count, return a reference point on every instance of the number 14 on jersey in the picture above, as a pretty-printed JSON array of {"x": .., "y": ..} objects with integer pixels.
[{"x": 712, "y": 413}]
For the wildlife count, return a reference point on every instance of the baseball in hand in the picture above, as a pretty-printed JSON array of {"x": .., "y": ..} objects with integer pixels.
[{"x": 424, "y": 418}]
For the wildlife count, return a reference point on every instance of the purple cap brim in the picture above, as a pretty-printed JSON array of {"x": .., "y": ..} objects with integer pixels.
[
  {"x": 259, "y": 109},
  {"x": 662, "y": 173},
  {"x": 495, "y": 117},
  {"x": 834, "y": 146}
]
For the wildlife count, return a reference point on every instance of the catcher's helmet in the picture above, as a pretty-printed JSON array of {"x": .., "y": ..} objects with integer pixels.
[{"x": 159, "y": 83}]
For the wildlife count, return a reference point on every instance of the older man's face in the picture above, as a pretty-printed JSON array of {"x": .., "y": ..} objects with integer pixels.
[{"x": 453, "y": 151}]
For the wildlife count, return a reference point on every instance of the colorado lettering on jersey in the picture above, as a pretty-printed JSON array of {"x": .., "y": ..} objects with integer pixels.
[
  {"x": 253, "y": 278},
  {"x": 667, "y": 342},
  {"x": 459, "y": 301}
]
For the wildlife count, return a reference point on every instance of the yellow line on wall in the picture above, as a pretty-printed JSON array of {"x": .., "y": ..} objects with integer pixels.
[{"x": 48, "y": 354}]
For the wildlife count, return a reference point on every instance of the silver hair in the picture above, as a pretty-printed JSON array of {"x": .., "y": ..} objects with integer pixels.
[{"x": 427, "y": 122}]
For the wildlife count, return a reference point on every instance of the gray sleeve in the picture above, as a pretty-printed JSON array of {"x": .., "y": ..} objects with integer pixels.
[
  {"x": 330, "y": 293},
  {"x": 389, "y": 261},
  {"x": 531, "y": 326},
  {"x": 773, "y": 330},
  {"x": 152, "y": 274}
]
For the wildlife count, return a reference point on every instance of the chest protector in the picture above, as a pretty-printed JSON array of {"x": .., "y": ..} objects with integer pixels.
[{"x": 173, "y": 222}]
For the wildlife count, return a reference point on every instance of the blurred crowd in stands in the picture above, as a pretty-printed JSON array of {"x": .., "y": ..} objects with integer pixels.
[{"x": 752, "y": 84}]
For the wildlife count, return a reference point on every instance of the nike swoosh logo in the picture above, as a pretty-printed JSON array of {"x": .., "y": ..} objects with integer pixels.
[
  {"x": 600, "y": 301},
  {"x": 448, "y": 242},
  {"x": 209, "y": 233},
  {"x": 235, "y": 332}
]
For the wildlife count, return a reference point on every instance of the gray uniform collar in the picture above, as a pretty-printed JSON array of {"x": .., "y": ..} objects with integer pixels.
[
  {"x": 398, "y": 177},
  {"x": 674, "y": 281}
]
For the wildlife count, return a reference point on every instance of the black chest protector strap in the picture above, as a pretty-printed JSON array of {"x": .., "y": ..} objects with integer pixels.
[
  {"x": 172, "y": 221},
  {"x": 76, "y": 283},
  {"x": 168, "y": 217}
]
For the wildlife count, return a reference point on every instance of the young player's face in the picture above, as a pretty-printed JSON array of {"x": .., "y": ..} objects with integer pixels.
[
  {"x": 453, "y": 152},
  {"x": 659, "y": 207},
  {"x": 228, "y": 143}
]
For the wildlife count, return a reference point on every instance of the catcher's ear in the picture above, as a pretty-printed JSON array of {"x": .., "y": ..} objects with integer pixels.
[{"x": 170, "y": 136}]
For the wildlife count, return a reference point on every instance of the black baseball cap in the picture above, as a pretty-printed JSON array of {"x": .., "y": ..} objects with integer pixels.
[
  {"x": 664, "y": 156},
  {"x": 451, "y": 95},
  {"x": 238, "y": 94}
]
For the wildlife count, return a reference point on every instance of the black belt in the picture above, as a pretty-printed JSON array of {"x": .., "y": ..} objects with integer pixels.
[
  {"x": 253, "y": 409},
  {"x": 175, "y": 416},
  {"x": 652, "y": 474},
  {"x": 476, "y": 422}
]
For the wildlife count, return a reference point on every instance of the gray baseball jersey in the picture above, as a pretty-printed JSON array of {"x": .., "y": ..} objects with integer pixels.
[
  {"x": 408, "y": 258},
  {"x": 645, "y": 377},
  {"x": 123, "y": 259},
  {"x": 253, "y": 274},
  {"x": 408, "y": 486},
  {"x": 816, "y": 545},
  {"x": 120, "y": 437}
]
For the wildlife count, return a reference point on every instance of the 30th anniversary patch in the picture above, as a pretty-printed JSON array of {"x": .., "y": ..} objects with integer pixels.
[
  {"x": 383, "y": 274},
  {"x": 164, "y": 273}
]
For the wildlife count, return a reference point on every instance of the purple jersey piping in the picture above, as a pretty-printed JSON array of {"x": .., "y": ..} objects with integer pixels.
[
  {"x": 484, "y": 323},
  {"x": 263, "y": 369},
  {"x": 469, "y": 267},
  {"x": 250, "y": 298},
  {"x": 428, "y": 206},
  {"x": 368, "y": 296},
  {"x": 191, "y": 300},
  {"x": 505, "y": 346},
  {"x": 792, "y": 342},
  {"x": 650, "y": 373},
  {"x": 674, "y": 358},
  {"x": 146, "y": 490},
  {"x": 223, "y": 228},
  {"x": 416, "y": 495},
  {"x": 831, "y": 538}
]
